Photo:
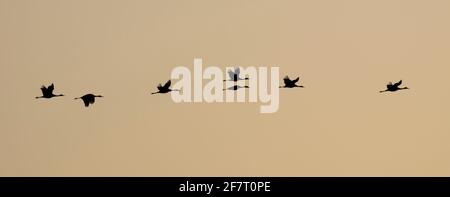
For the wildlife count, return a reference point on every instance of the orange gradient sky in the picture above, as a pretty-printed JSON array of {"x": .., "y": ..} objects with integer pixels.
[{"x": 344, "y": 51}]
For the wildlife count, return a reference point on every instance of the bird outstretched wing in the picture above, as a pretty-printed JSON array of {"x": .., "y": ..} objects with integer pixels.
[
  {"x": 160, "y": 87},
  {"x": 88, "y": 99},
  {"x": 389, "y": 85},
  {"x": 86, "y": 102},
  {"x": 51, "y": 88},
  {"x": 296, "y": 80},
  {"x": 231, "y": 74},
  {"x": 286, "y": 80},
  {"x": 167, "y": 85},
  {"x": 237, "y": 71},
  {"x": 44, "y": 90},
  {"x": 398, "y": 83}
]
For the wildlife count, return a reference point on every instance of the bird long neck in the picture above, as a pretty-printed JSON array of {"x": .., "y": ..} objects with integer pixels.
[
  {"x": 38, "y": 97},
  {"x": 58, "y": 95}
]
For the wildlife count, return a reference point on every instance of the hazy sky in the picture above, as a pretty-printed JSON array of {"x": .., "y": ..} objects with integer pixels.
[{"x": 345, "y": 51}]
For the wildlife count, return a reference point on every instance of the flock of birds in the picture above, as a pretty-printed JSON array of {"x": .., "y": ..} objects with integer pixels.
[
  {"x": 89, "y": 99},
  {"x": 47, "y": 92}
]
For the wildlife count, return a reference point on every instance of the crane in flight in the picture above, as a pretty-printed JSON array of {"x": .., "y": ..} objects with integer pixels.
[
  {"x": 164, "y": 89},
  {"x": 47, "y": 92},
  {"x": 236, "y": 87},
  {"x": 288, "y": 83},
  {"x": 234, "y": 75},
  {"x": 88, "y": 99},
  {"x": 394, "y": 87}
]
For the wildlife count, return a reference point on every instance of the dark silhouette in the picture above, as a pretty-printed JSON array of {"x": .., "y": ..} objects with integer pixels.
[
  {"x": 88, "y": 99},
  {"x": 236, "y": 87},
  {"x": 288, "y": 83},
  {"x": 47, "y": 92},
  {"x": 394, "y": 87},
  {"x": 164, "y": 89},
  {"x": 234, "y": 76}
]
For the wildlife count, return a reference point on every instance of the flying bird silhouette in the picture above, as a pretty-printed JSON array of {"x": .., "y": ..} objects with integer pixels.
[
  {"x": 47, "y": 92},
  {"x": 234, "y": 76},
  {"x": 236, "y": 87},
  {"x": 88, "y": 99},
  {"x": 164, "y": 89},
  {"x": 288, "y": 83},
  {"x": 394, "y": 87}
]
